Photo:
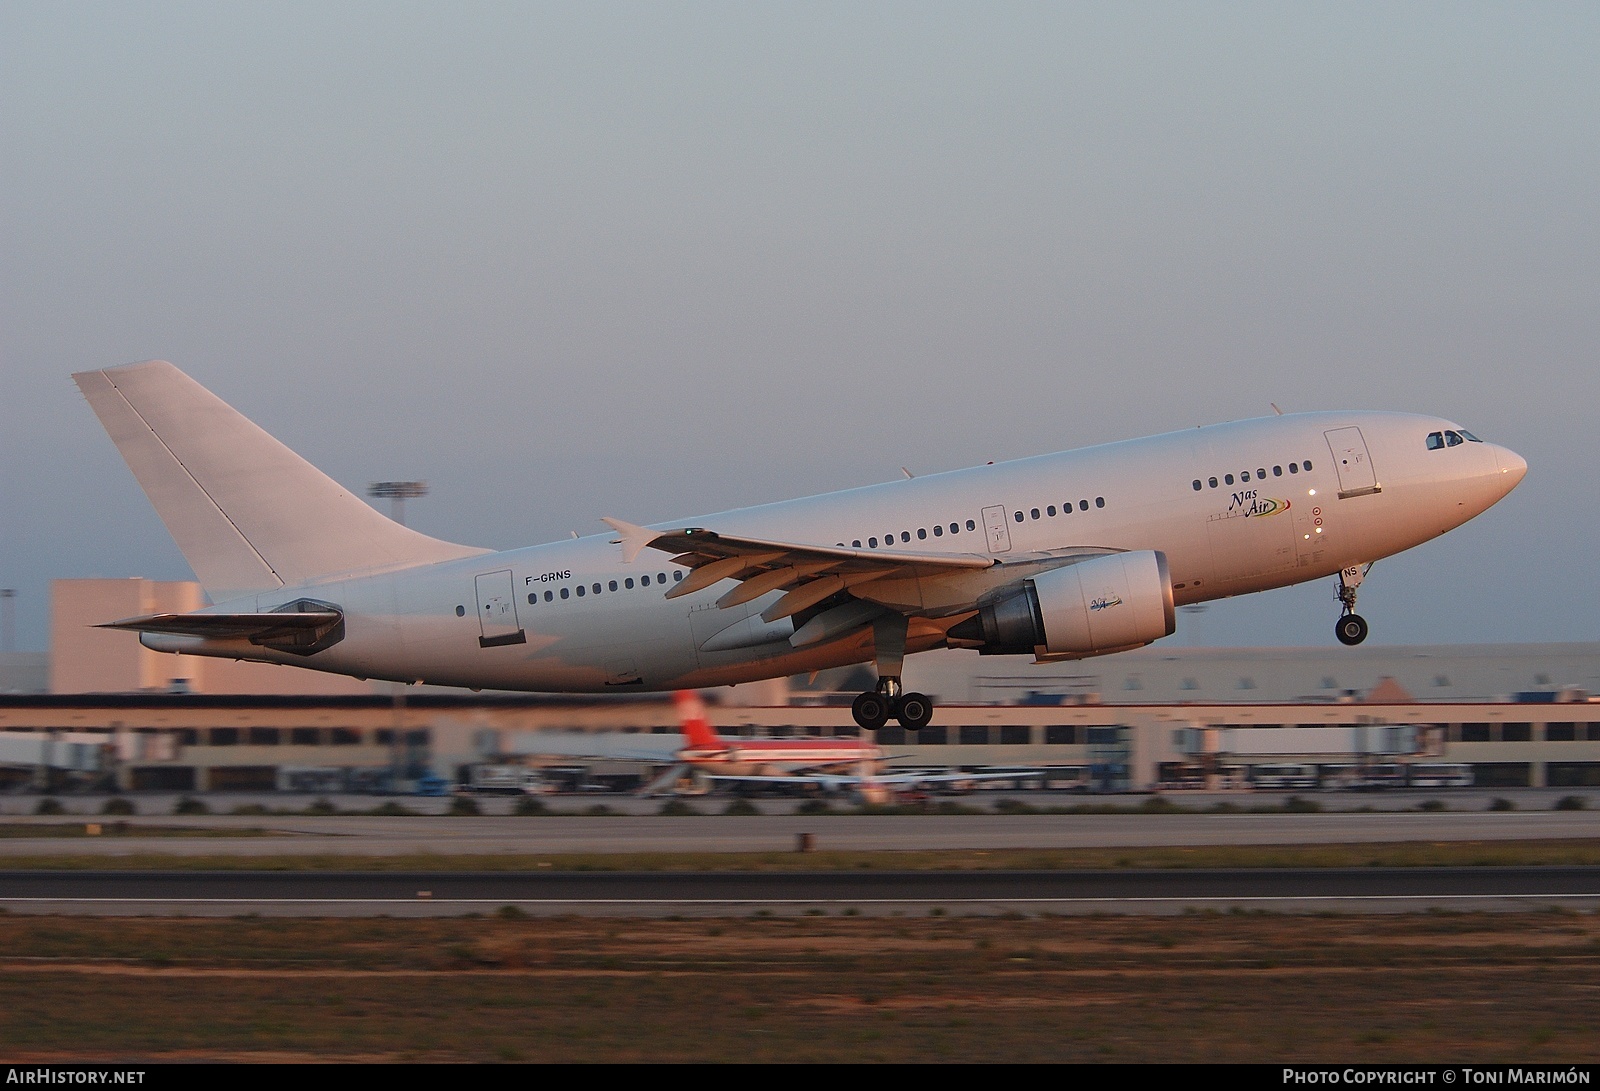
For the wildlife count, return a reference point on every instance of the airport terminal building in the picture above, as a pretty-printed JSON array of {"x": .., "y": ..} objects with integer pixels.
[{"x": 114, "y": 714}]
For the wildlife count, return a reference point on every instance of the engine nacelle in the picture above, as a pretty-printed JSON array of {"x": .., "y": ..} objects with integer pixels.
[{"x": 1123, "y": 600}]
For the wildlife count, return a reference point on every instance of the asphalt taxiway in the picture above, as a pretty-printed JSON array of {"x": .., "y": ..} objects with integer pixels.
[
  {"x": 349, "y": 835},
  {"x": 1152, "y": 891},
  {"x": 536, "y": 891}
]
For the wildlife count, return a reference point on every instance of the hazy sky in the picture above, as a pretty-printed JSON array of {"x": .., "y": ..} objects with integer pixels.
[{"x": 656, "y": 260}]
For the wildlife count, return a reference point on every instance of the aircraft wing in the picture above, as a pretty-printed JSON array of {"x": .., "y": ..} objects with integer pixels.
[
  {"x": 911, "y": 780},
  {"x": 598, "y": 746},
  {"x": 889, "y": 780},
  {"x": 806, "y": 574}
]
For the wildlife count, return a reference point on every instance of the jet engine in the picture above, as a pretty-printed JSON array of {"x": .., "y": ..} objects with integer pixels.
[{"x": 1108, "y": 604}]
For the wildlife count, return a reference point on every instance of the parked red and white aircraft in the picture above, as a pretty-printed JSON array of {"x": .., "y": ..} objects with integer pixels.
[
  {"x": 852, "y": 764},
  {"x": 1061, "y": 556}
]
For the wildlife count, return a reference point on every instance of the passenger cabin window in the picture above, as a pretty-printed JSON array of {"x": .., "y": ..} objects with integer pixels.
[
  {"x": 971, "y": 525},
  {"x": 1197, "y": 484}
]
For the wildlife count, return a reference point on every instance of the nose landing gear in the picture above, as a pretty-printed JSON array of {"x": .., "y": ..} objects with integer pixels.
[
  {"x": 876, "y": 707},
  {"x": 1352, "y": 627}
]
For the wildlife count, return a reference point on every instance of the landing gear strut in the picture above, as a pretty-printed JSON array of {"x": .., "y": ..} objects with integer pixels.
[
  {"x": 875, "y": 708},
  {"x": 1352, "y": 627}
]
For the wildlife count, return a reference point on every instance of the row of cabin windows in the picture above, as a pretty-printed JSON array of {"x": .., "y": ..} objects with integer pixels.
[
  {"x": 932, "y": 735},
  {"x": 905, "y": 535},
  {"x": 1521, "y": 732},
  {"x": 938, "y": 530},
  {"x": 1260, "y": 475},
  {"x": 1066, "y": 509},
  {"x": 611, "y": 585},
  {"x": 985, "y": 735}
]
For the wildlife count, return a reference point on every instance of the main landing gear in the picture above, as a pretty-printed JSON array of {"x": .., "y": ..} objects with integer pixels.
[
  {"x": 1352, "y": 627},
  {"x": 877, "y": 707}
]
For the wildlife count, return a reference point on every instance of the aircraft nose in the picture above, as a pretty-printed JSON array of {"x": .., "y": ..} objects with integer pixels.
[{"x": 1512, "y": 467}]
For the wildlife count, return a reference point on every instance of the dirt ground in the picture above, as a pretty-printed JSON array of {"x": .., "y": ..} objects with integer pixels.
[{"x": 1428, "y": 988}]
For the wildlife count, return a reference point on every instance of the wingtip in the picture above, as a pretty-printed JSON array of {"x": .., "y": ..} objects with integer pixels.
[{"x": 633, "y": 538}]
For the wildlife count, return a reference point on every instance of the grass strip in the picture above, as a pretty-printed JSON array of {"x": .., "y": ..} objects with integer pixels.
[{"x": 1475, "y": 988}]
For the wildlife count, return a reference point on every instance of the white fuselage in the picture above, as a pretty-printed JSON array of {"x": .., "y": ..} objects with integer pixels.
[{"x": 1362, "y": 486}]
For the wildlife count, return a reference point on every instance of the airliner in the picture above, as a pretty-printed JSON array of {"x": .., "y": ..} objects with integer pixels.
[
  {"x": 852, "y": 764},
  {"x": 1059, "y": 557}
]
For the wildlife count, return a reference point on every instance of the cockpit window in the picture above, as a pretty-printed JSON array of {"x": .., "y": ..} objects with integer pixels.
[
  {"x": 1469, "y": 437},
  {"x": 1435, "y": 440},
  {"x": 1453, "y": 439}
]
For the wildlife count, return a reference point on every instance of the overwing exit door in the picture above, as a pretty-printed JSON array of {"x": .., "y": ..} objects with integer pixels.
[{"x": 994, "y": 525}]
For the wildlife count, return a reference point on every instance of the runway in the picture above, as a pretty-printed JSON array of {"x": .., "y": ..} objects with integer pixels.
[
  {"x": 387, "y": 836},
  {"x": 743, "y": 893},
  {"x": 352, "y": 892}
]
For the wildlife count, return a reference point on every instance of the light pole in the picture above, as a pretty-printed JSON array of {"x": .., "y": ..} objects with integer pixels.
[
  {"x": 397, "y": 493},
  {"x": 8, "y": 619}
]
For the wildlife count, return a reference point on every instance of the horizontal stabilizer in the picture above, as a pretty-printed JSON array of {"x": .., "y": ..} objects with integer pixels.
[
  {"x": 304, "y": 631},
  {"x": 224, "y": 626}
]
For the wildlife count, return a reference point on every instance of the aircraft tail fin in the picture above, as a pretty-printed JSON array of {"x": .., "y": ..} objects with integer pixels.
[
  {"x": 697, "y": 731},
  {"x": 248, "y": 513}
]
